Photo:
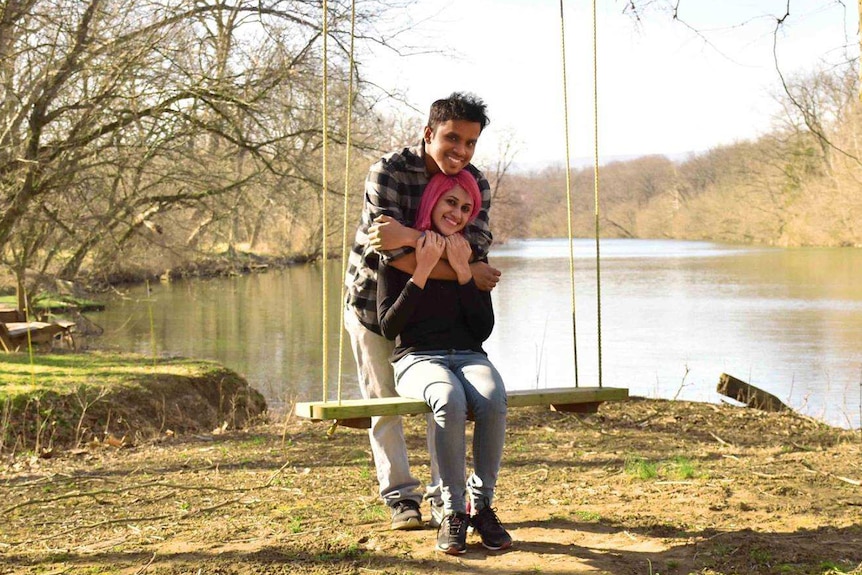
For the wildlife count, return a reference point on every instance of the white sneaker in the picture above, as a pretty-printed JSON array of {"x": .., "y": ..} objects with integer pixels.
[{"x": 437, "y": 514}]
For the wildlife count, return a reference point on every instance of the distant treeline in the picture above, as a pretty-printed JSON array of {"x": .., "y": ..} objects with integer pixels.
[{"x": 799, "y": 185}]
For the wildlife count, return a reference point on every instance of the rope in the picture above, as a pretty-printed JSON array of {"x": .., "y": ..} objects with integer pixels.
[
  {"x": 569, "y": 191},
  {"x": 325, "y": 230},
  {"x": 344, "y": 254},
  {"x": 596, "y": 185}
]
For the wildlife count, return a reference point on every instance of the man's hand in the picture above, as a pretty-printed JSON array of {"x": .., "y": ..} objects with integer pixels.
[
  {"x": 485, "y": 276},
  {"x": 387, "y": 233}
]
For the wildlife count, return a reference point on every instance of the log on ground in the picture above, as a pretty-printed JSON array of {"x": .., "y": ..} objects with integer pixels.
[{"x": 749, "y": 395}]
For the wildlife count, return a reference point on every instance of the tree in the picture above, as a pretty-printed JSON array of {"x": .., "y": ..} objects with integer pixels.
[{"x": 128, "y": 121}]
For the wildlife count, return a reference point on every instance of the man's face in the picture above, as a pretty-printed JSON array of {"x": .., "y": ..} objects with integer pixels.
[{"x": 450, "y": 146}]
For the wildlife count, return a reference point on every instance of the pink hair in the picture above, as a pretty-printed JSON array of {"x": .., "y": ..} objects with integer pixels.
[{"x": 440, "y": 184}]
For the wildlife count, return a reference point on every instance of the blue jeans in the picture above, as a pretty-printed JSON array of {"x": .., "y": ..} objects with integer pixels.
[{"x": 453, "y": 382}]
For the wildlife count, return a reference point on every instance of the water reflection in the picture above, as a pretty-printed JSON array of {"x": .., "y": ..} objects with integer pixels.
[{"x": 675, "y": 315}]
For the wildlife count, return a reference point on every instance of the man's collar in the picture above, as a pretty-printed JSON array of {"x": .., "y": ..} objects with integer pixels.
[{"x": 416, "y": 158}]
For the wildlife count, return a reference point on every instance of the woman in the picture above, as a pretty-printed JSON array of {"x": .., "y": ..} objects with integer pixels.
[{"x": 438, "y": 327}]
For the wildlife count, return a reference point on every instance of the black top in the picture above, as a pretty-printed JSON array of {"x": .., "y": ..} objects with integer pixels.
[{"x": 444, "y": 315}]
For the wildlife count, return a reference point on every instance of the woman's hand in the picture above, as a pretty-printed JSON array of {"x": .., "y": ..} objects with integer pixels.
[
  {"x": 458, "y": 252},
  {"x": 429, "y": 248}
]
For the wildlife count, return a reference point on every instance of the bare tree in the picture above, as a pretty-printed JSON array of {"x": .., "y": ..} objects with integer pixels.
[{"x": 130, "y": 123}]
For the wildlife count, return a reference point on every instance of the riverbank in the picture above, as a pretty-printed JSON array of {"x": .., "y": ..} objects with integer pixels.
[
  {"x": 61, "y": 296},
  {"x": 644, "y": 486},
  {"x": 53, "y": 402}
]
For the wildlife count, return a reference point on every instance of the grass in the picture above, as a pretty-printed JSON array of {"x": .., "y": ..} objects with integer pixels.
[
  {"x": 53, "y": 303},
  {"x": 49, "y": 400},
  {"x": 588, "y": 516},
  {"x": 760, "y": 556},
  {"x": 640, "y": 468},
  {"x": 678, "y": 468},
  {"x": 682, "y": 468},
  {"x": 66, "y": 373}
]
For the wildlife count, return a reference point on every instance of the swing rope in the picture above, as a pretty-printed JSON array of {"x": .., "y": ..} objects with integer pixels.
[
  {"x": 325, "y": 230},
  {"x": 344, "y": 253},
  {"x": 596, "y": 187},
  {"x": 569, "y": 191},
  {"x": 595, "y": 190}
]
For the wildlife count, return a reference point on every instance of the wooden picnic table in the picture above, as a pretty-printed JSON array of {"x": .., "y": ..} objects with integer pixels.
[{"x": 14, "y": 334}]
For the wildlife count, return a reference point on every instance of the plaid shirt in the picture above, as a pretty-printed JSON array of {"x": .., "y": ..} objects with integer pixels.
[{"x": 394, "y": 187}]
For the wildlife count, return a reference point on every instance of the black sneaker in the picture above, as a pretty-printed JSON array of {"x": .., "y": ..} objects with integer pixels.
[
  {"x": 488, "y": 525},
  {"x": 406, "y": 515},
  {"x": 452, "y": 534}
]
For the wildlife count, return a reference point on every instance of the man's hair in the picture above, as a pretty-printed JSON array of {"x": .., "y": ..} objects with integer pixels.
[{"x": 458, "y": 106}]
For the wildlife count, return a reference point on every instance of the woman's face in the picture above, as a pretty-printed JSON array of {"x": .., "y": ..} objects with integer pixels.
[{"x": 452, "y": 211}]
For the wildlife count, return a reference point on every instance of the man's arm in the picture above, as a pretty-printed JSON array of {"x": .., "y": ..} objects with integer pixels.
[
  {"x": 383, "y": 199},
  {"x": 485, "y": 276},
  {"x": 387, "y": 234}
]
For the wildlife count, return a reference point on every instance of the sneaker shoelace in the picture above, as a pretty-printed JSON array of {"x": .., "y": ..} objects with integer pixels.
[
  {"x": 488, "y": 520},
  {"x": 456, "y": 525}
]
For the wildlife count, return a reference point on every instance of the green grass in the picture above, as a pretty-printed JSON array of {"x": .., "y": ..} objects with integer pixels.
[
  {"x": 678, "y": 468},
  {"x": 682, "y": 468},
  {"x": 833, "y": 568},
  {"x": 67, "y": 373},
  {"x": 590, "y": 516},
  {"x": 759, "y": 556},
  {"x": 641, "y": 468},
  {"x": 295, "y": 525},
  {"x": 374, "y": 513},
  {"x": 53, "y": 303}
]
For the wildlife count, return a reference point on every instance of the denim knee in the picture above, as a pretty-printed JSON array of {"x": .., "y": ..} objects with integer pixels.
[{"x": 448, "y": 402}]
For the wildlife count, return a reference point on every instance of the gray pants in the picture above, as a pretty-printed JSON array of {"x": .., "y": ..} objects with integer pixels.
[
  {"x": 452, "y": 383},
  {"x": 371, "y": 352}
]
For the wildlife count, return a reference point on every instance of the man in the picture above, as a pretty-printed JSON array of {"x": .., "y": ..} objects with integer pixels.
[{"x": 393, "y": 189}]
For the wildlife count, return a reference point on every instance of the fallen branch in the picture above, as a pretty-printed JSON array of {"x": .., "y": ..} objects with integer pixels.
[
  {"x": 854, "y": 482},
  {"x": 92, "y": 526},
  {"x": 720, "y": 440},
  {"x": 97, "y": 492},
  {"x": 144, "y": 568}
]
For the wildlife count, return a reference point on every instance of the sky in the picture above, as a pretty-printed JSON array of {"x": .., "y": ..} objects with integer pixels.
[{"x": 664, "y": 87}]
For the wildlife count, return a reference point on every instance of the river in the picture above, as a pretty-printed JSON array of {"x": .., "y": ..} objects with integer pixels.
[{"x": 674, "y": 316}]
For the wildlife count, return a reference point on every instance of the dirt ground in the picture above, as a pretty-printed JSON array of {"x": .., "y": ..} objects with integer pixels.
[{"x": 642, "y": 487}]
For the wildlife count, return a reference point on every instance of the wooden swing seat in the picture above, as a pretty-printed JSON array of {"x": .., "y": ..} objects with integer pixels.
[{"x": 358, "y": 412}]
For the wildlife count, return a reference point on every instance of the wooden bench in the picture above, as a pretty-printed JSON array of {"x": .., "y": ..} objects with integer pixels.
[
  {"x": 15, "y": 332},
  {"x": 358, "y": 412}
]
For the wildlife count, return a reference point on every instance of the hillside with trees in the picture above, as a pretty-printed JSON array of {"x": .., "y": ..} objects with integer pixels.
[{"x": 798, "y": 185}]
